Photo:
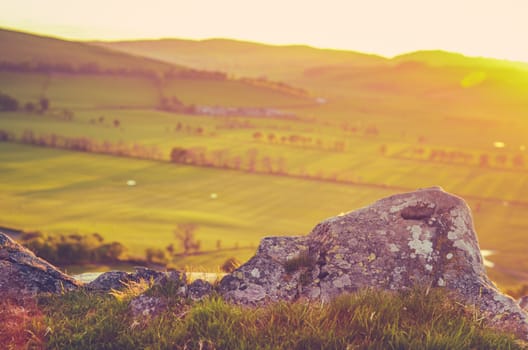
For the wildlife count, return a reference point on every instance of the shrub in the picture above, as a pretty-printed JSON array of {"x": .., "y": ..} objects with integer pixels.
[{"x": 8, "y": 103}]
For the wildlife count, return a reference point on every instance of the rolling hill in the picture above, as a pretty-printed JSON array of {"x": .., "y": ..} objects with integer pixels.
[
  {"x": 243, "y": 58},
  {"x": 78, "y": 75},
  {"x": 417, "y": 84},
  {"x": 34, "y": 50}
]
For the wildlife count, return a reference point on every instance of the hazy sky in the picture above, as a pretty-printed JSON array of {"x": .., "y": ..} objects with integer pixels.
[{"x": 493, "y": 28}]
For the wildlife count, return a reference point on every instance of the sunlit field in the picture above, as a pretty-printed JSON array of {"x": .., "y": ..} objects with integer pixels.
[{"x": 130, "y": 155}]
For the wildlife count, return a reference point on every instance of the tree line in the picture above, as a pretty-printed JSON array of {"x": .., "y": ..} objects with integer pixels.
[
  {"x": 84, "y": 144},
  {"x": 484, "y": 160},
  {"x": 93, "y": 68},
  {"x": 9, "y": 103},
  {"x": 252, "y": 161},
  {"x": 73, "y": 249}
]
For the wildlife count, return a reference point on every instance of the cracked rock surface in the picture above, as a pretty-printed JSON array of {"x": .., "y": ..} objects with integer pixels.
[
  {"x": 424, "y": 237},
  {"x": 24, "y": 274}
]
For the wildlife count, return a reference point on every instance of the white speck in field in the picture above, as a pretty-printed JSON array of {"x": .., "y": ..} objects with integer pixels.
[
  {"x": 499, "y": 144},
  {"x": 131, "y": 182},
  {"x": 214, "y": 196}
]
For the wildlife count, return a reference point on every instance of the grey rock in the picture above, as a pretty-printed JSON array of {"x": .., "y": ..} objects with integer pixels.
[
  {"x": 24, "y": 274},
  {"x": 424, "y": 237},
  {"x": 111, "y": 280},
  {"x": 118, "y": 280},
  {"x": 199, "y": 289},
  {"x": 145, "y": 306}
]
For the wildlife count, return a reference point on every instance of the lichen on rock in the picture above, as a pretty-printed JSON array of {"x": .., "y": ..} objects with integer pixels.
[{"x": 424, "y": 237}]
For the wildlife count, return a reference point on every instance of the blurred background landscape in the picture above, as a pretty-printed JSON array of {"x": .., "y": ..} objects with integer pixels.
[{"x": 185, "y": 153}]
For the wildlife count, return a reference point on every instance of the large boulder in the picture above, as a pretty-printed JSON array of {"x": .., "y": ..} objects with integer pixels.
[
  {"x": 24, "y": 274},
  {"x": 420, "y": 238}
]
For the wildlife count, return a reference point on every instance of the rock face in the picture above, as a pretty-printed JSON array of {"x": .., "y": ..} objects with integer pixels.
[
  {"x": 424, "y": 237},
  {"x": 119, "y": 280},
  {"x": 199, "y": 289},
  {"x": 24, "y": 274}
]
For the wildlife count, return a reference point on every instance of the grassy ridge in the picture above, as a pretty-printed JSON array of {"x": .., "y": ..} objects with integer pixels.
[
  {"x": 242, "y": 58},
  {"x": 31, "y": 48},
  {"x": 413, "y": 86},
  {"x": 99, "y": 91},
  {"x": 418, "y": 319}
]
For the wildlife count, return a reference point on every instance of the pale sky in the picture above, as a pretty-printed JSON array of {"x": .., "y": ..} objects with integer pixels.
[{"x": 491, "y": 28}]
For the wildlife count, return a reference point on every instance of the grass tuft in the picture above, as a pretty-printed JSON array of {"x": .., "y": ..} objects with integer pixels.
[
  {"x": 303, "y": 260},
  {"x": 415, "y": 319}
]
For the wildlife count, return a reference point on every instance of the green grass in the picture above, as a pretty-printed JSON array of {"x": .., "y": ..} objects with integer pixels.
[
  {"x": 229, "y": 93},
  {"x": 418, "y": 319},
  {"x": 78, "y": 91},
  {"x": 41, "y": 190}
]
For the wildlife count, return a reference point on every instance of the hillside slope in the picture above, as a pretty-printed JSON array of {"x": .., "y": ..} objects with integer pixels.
[
  {"x": 243, "y": 58},
  {"x": 422, "y": 82},
  {"x": 18, "y": 47},
  {"x": 78, "y": 75}
]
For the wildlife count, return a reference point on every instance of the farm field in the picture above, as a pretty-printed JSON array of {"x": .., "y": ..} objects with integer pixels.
[
  {"x": 366, "y": 128},
  {"x": 42, "y": 187}
]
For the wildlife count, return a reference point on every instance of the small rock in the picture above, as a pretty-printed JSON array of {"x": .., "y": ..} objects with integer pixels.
[
  {"x": 199, "y": 289},
  {"x": 145, "y": 306},
  {"x": 118, "y": 280},
  {"x": 108, "y": 281}
]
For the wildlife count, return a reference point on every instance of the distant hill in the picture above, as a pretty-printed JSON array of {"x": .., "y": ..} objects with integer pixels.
[
  {"x": 485, "y": 86},
  {"x": 445, "y": 58},
  {"x": 34, "y": 50},
  {"x": 75, "y": 74},
  {"x": 243, "y": 58},
  {"x": 286, "y": 61}
]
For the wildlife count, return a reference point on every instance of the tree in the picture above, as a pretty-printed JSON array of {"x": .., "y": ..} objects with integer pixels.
[
  {"x": 179, "y": 155},
  {"x": 8, "y": 103},
  {"x": 110, "y": 252},
  {"x": 44, "y": 104},
  {"x": 170, "y": 249},
  {"x": 185, "y": 234},
  {"x": 156, "y": 256},
  {"x": 252, "y": 154},
  {"x": 29, "y": 107}
]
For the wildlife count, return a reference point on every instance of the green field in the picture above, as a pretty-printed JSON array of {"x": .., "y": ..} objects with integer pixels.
[
  {"x": 264, "y": 176},
  {"x": 63, "y": 192}
]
